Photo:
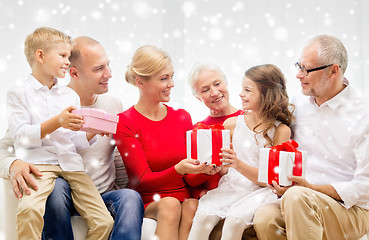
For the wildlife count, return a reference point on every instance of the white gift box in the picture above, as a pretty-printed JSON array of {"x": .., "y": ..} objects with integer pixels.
[
  {"x": 205, "y": 144},
  {"x": 281, "y": 170}
]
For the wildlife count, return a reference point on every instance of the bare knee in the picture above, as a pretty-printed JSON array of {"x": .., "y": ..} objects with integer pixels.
[
  {"x": 169, "y": 208},
  {"x": 189, "y": 207}
]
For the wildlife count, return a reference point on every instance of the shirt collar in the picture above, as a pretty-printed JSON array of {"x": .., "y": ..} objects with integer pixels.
[
  {"x": 337, "y": 100},
  {"x": 37, "y": 85}
]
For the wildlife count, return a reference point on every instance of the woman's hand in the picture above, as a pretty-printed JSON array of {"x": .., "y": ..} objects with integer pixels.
[{"x": 193, "y": 166}]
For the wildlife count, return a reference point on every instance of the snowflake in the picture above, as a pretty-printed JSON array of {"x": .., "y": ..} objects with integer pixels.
[
  {"x": 188, "y": 8},
  {"x": 290, "y": 53},
  {"x": 10, "y": 149},
  {"x": 215, "y": 34},
  {"x": 142, "y": 9},
  {"x": 115, "y": 7},
  {"x": 156, "y": 197},
  {"x": 96, "y": 15},
  {"x": 281, "y": 34},
  {"x": 237, "y": 7}
]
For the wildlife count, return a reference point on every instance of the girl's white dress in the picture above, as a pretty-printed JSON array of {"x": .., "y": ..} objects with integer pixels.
[{"x": 236, "y": 196}]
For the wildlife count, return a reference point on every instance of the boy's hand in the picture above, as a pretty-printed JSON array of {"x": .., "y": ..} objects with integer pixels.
[{"x": 68, "y": 120}]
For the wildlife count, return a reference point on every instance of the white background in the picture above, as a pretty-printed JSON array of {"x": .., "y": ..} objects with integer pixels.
[{"x": 234, "y": 34}]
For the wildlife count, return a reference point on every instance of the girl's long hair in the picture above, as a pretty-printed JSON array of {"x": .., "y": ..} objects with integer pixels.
[{"x": 274, "y": 104}]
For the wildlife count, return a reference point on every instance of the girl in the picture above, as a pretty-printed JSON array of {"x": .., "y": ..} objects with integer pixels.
[{"x": 265, "y": 123}]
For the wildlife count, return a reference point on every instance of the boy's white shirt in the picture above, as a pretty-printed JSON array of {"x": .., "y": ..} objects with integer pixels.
[
  {"x": 29, "y": 106},
  {"x": 101, "y": 169}
]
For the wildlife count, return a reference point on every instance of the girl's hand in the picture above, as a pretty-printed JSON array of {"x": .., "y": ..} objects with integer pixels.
[
  {"x": 229, "y": 156},
  {"x": 68, "y": 120},
  {"x": 297, "y": 181},
  {"x": 277, "y": 190}
]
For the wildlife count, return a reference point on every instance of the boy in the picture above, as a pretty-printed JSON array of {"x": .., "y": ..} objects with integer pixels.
[{"x": 45, "y": 132}]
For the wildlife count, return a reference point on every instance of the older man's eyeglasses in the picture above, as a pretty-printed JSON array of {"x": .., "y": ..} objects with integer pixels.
[{"x": 307, "y": 71}]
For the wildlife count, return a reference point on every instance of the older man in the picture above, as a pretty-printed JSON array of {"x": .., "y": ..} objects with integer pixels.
[
  {"x": 332, "y": 127},
  {"x": 90, "y": 73}
]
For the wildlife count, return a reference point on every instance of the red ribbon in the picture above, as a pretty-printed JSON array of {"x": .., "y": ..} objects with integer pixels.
[
  {"x": 289, "y": 146},
  {"x": 217, "y": 142}
]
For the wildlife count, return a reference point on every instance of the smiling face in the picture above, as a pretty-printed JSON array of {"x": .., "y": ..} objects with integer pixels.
[
  {"x": 211, "y": 88},
  {"x": 93, "y": 69},
  {"x": 158, "y": 87},
  {"x": 250, "y": 95},
  {"x": 316, "y": 84},
  {"x": 55, "y": 60}
]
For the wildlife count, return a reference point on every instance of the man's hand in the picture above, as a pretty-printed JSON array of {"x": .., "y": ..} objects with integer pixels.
[{"x": 21, "y": 177}]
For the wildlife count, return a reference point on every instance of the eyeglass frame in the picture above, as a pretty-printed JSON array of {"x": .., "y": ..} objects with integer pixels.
[{"x": 297, "y": 65}]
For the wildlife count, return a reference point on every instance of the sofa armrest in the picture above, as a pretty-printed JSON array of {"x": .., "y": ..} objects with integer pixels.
[{"x": 8, "y": 213}]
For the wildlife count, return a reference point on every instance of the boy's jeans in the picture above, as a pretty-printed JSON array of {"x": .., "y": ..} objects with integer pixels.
[{"x": 125, "y": 205}]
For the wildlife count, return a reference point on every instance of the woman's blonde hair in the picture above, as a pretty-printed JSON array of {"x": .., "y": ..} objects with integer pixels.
[
  {"x": 43, "y": 38},
  {"x": 146, "y": 61},
  {"x": 274, "y": 103}
]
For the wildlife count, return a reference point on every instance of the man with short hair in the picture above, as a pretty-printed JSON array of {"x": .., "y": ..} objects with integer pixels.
[
  {"x": 332, "y": 127},
  {"x": 90, "y": 73}
]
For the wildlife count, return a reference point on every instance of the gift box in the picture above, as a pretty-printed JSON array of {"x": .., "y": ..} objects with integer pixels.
[
  {"x": 278, "y": 162},
  {"x": 205, "y": 141},
  {"x": 97, "y": 120}
]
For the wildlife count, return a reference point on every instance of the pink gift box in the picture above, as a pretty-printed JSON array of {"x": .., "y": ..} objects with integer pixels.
[{"x": 97, "y": 120}]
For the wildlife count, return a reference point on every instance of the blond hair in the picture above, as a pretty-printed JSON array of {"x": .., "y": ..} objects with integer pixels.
[
  {"x": 274, "y": 103},
  {"x": 146, "y": 61},
  {"x": 193, "y": 77},
  {"x": 43, "y": 38}
]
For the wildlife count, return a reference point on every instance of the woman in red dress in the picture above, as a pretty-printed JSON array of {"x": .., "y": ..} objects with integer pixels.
[{"x": 151, "y": 138}]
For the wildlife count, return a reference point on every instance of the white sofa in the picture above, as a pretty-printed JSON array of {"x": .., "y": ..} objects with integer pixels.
[{"x": 8, "y": 206}]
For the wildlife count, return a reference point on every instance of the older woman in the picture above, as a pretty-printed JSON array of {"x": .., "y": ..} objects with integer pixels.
[
  {"x": 209, "y": 85},
  {"x": 151, "y": 139}
]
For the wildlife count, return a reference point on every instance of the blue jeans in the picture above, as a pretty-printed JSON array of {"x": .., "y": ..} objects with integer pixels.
[{"x": 125, "y": 205}]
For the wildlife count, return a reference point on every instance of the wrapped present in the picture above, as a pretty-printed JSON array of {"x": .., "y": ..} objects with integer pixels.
[
  {"x": 97, "y": 120},
  {"x": 205, "y": 141},
  {"x": 278, "y": 162}
]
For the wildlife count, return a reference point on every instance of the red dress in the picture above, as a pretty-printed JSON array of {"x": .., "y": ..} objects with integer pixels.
[
  {"x": 212, "y": 181},
  {"x": 150, "y": 149}
]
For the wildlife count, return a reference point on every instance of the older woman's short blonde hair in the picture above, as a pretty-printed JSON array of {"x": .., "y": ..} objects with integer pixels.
[
  {"x": 198, "y": 68},
  {"x": 146, "y": 61},
  {"x": 43, "y": 38}
]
